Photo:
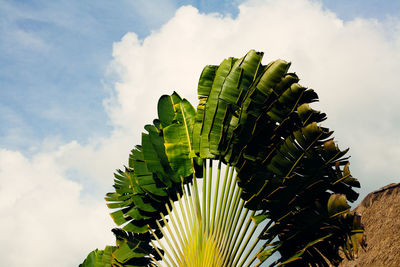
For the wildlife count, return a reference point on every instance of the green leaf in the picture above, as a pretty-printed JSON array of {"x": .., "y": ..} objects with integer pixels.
[
  {"x": 178, "y": 138},
  {"x": 265, "y": 254},
  {"x": 127, "y": 251},
  {"x": 198, "y": 124},
  {"x": 290, "y": 171},
  {"x": 152, "y": 161},
  {"x": 206, "y": 80},
  {"x": 211, "y": 106},
  {"x": 259, "y": 218},
  {"x": 267, "y": 87},
  {"x": 166, "y": 108},
  {"x": 337, "y": 204},
  {"x": 235, "y": 86},
  {"x": 99, "y": 258}
]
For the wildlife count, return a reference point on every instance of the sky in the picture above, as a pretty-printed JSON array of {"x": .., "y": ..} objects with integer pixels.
[{"x": 78, "y": 80}]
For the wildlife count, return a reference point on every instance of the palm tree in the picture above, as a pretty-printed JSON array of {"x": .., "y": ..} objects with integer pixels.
[{"x": 277, "y": 196}]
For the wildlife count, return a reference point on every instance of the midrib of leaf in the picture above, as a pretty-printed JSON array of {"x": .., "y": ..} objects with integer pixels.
[
  {"x": 197, "y": 202},
  {"x": 186, "y": 130},
  {"x": 302, "y": 154},
  {"x": 217, "y": 245}
]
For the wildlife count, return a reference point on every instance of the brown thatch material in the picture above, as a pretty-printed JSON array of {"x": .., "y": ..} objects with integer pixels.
[{"x": 380, "y": 211}]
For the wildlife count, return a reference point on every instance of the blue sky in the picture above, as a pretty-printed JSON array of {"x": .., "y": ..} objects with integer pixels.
[
  {"x": 53, "y": 60},
  {"x": 78, "y": 80},
  {"x": 54, "y": 57}
]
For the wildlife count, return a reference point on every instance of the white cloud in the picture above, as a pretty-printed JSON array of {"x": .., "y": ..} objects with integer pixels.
[
  {"x": 44, "y": 220},
  {"x": 352, "y": 65},
  {"x": 48, "y": 220}
]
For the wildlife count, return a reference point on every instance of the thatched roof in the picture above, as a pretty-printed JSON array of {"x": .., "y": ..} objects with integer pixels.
[{"x": 380, "y": 211}]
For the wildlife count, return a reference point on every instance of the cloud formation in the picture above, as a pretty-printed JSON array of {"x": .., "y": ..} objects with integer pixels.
[
  {"x": 352, "y": 65},
  {"x": 51, "y": 206},
  {"x": 44, "y": 219}
]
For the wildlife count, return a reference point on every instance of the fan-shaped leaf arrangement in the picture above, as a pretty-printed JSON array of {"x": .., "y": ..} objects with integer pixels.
[{"x": 279, "y": 191}]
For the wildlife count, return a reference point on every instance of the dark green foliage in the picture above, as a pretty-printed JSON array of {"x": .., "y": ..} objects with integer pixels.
[
  {"x": 256, "y": 118},
  {"x": 288, "y": 166},
  {"x": 155, "y": 175},
  {"x": 131, "y": 250}
]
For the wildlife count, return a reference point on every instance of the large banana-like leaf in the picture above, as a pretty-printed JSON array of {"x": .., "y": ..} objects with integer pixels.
[
  {"x": 131, "y": 251},
  {"x": 157, "y": 169},
  {"x": 99, "y": 258},
  {"x": 289, "y": 194}
]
